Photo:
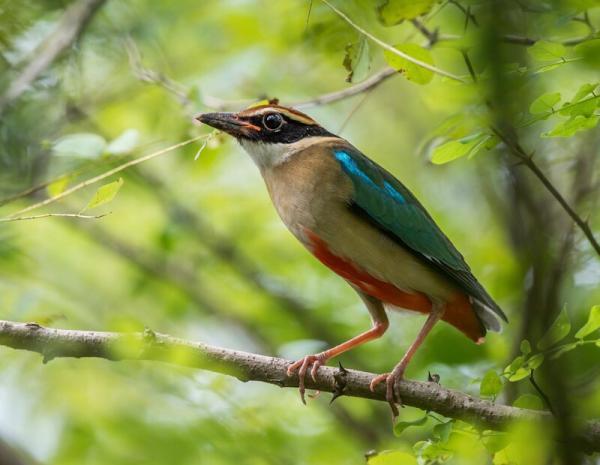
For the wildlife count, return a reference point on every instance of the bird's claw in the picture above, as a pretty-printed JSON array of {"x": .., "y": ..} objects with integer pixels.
[
  {"x": 392, "y": 392},
  {"x": 301, "y": 366}
]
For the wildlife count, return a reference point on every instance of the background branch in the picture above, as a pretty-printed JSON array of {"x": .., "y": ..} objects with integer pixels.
[
  {"x": 53, "y": 343},
  {"x": 69, "y": 28}
]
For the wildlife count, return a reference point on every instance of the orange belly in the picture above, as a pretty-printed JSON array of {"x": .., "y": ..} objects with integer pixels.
[{"x": 458, "y": 311}]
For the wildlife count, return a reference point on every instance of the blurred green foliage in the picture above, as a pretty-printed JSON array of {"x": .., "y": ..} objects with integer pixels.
[{"x": 195, "y": 249}]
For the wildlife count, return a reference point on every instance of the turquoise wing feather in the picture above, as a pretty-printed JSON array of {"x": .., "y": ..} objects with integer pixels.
[{"x": 394, "y": 209}]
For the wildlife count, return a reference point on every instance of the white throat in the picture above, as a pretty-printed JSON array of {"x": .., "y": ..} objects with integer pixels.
[{"x": 268, "y": 155}]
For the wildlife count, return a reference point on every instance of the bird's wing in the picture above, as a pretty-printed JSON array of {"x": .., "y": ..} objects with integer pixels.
[{"x": 394, "y": 209}]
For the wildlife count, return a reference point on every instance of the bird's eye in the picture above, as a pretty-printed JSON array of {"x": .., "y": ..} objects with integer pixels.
[{"x": 273, "y": 121}]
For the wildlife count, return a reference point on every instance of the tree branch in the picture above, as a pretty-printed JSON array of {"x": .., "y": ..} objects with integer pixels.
[
  {"x": 69, "y": 28},
  {"x": 52, "y": 343},
  {"x": 356, "y": 89},
  {"x": 528, "y": 161}
]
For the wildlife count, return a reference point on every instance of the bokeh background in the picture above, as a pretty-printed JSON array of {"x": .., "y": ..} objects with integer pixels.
[{"x": 195, "y": 249}]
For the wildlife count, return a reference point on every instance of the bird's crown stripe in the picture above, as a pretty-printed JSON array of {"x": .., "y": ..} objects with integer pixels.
[{"x": 289, "y": 113}]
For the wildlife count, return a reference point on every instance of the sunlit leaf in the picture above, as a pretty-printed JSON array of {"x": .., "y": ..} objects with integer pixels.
[
  {"x": 58, "y": 187},
  {"x": 84, "y": 145},
  {"x": 491, "y": 384},
  {"x": 455, "y": 149},
  {"x": 584, "y": 108},
  {"x": 529, "y": 401},
  {"x": 495, "y": 441},
  {"x": 547, "y": 51},
  {"x": 357, "y": 60},
  {"x": 535, "y": 361},
  {"x": 392, "y": 457},
  {"x": 557, "y": 332},
  {"x": 104, "y": 194},
  {"x": 584, "y": 91},
  {"x": 392, "y": 12},
  {"x": 592, "y": 324},
  {"x": 572, "y": 126},
  {"x": 544, "y": 103},
  {"x": 125, "y": 143},
  {"x": 408, "y": 69},
  {"x": 431, "y": 452}
]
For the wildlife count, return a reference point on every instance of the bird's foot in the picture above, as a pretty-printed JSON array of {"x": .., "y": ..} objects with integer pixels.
[
  {"x": 392, "y": 393},
  {"x": 301, "y": 366}
]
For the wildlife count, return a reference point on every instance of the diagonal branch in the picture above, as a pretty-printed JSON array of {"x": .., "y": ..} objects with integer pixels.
[
  {"x": 527, "y": 159},
  {"x": 52, "y": 343},
  {"x": 69, "y": 28}
]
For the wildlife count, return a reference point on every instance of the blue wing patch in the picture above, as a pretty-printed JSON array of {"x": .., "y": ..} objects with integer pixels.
[{"x": 394, "y": 209}]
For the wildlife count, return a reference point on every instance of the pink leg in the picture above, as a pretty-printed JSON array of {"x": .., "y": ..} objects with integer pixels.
[
  {"x": 380, "y": 325},
  {"x": 392, "y": 378}
]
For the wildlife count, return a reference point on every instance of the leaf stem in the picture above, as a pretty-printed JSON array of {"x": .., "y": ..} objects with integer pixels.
[{"x": 101, "y": 176}]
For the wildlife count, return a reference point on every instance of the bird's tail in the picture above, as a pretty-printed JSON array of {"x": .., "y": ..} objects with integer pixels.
[{"x": 489, "y": 315}]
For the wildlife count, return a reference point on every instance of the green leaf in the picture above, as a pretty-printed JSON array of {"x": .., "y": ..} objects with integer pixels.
[
  {"x": 400, "y": 426},
  {"x": 408, "y": 69},
  {"x": 592, "y": 324},
  {"x": 572, "y": 126},
  {"x": 517, "y": 370},
  {"x": 584, "y": 108},
  {"x": 557, "y": 332},
  {"x": 104, "y": 194},
  {"x": 534, "y": 362},
  {"x": 442, "y": 430},
  {"x": 584, "y": 91},
  {"x": 589, "y": 52},
  {"x": 547, "y": 51},
  {"x": 392, "y": 12},
  {"x": 392, "y": 457},
  {"x": 544, "y": 103},
  {"x": 58, "y": 187},
  {"x": 125, "y": 143},
  {"x": 525, "y": 347},
  {"x": 529, "y": 401},
  {"x": 491, "y": 384},
  {"x": 357, "y": 60},
  {"x": 454, "y": 149},
  {"x": 84, "y": 145},
  {"x": 495, "y": 441},
  {"x": 519, "y": 374}
]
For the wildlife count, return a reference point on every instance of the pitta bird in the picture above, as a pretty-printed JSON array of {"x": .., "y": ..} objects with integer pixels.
[{"x": 365, "y": 225}]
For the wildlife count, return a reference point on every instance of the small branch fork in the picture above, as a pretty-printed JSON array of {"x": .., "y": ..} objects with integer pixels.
[{"x": 430, "y": 396}]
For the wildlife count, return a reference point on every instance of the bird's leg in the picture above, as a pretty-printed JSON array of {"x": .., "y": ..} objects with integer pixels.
[
  {"x": 380, "y": 325},
  {"x": 391, "y": 379}
]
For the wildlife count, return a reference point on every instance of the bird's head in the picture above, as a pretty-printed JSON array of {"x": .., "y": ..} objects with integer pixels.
[{"x": 269, "y": 133}]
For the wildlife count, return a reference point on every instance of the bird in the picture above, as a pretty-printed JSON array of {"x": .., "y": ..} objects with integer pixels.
[{"x": 361, "y": 222}]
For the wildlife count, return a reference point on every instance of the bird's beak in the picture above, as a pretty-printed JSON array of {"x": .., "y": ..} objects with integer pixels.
[{"x": 229, "y": 123}]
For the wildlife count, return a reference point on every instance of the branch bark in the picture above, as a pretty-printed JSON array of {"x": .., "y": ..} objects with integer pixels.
[
  {"x": 53, "y": 343},
  {"x": 69, "y": 28}
]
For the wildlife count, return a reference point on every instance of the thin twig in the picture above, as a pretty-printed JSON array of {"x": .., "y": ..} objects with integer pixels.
[
  {"x": 527, "y": 160},
  {"x": 68, "y": 30},
  {"x": 53, "y": 343},
  {"x": 104, "y": 175},
  {"x": 541, "y": 393},
  {"x": 392, "y": 49},
  {"x": 54, "y": 215},
  {"x": 332, "y": 97}
]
